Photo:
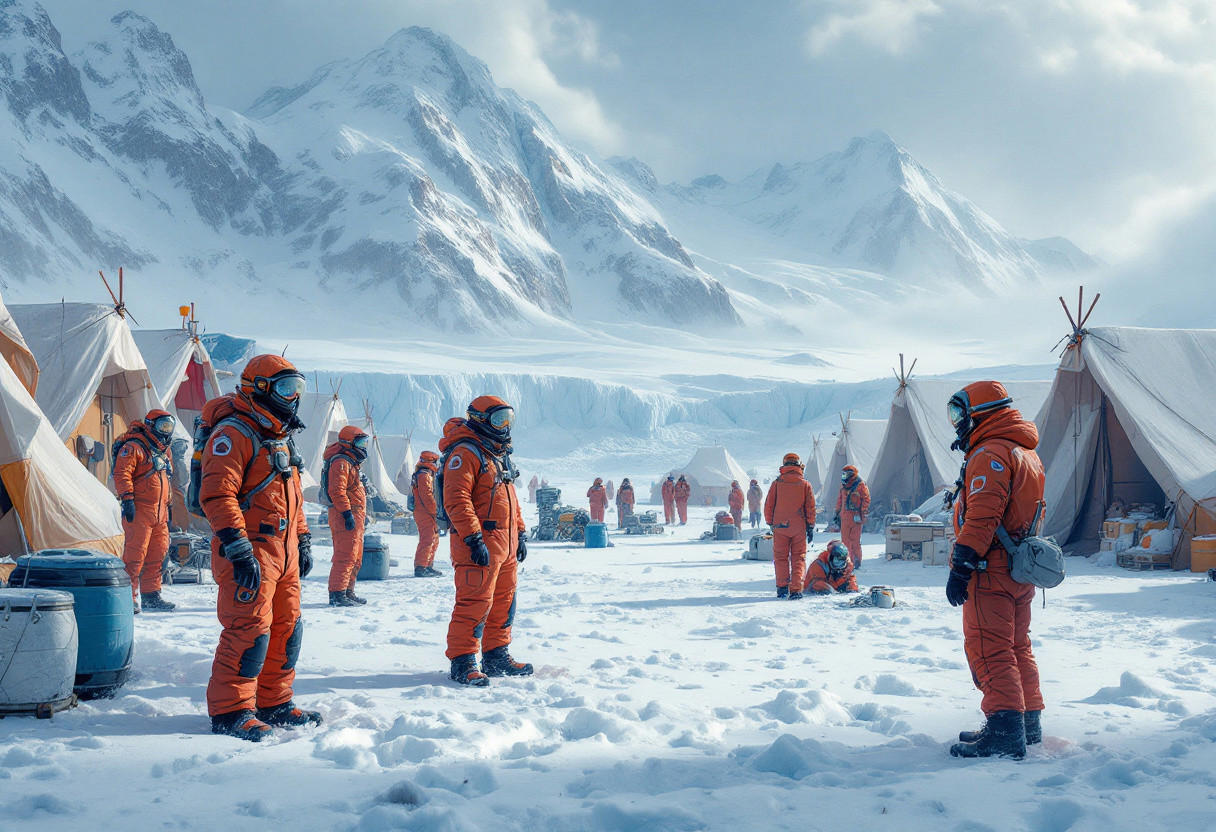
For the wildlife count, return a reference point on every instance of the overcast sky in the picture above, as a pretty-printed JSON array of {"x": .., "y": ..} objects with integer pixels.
[{"x": 1094, "y": 119}]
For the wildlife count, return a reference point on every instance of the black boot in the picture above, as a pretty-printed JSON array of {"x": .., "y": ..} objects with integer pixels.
[
  {"x": 355, "y": 599},
  {"x": 1004, "y": 735},
  {"x": 783, "y": 591},
  {"x": 426, "y": 572},
  {"x": 795, "y": 596},
  {"x": 339, "y": 599},
  {"x": 152, "y": 602},
  {"x": 432, "y": 572},
  {"x": 464, "y": 671},
  {"x": 243, "y": 725},
  {"x": 288, "y": 715},
  {"x": 498, "y": 662},
  {"x": 1034, "y": 727}
]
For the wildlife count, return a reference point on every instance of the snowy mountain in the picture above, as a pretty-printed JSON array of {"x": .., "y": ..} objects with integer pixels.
[
  {"x": 406, "y": 180},
  {"x": 871, "y": 207}
]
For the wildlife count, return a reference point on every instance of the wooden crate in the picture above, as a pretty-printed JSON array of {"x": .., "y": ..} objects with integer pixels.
[{"x": 1141, "y": 561}]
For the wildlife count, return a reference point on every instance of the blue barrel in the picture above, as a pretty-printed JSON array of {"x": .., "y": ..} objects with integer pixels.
[
  {"x": 596, "y": 536},
  {"x": 105, "y": 614},
  {"x": 375, "y": 558}
]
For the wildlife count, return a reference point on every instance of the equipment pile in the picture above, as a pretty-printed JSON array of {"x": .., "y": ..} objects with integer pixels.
[
  {"x": 647, "y": 522},
  {"x": 558, "y": 522}
]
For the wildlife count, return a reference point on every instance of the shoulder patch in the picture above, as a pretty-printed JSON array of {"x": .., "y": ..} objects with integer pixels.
[
  {"x": 997, "y": 466},
  {"x": 221, "y": 446},
  {"x": 455, "y": 462},
  {"x": 978, "y": 484},
  {"x": 126, "y": 451}
]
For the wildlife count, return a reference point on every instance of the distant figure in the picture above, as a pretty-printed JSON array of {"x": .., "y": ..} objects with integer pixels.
[
  {"x": 422, "y": 483},
  {"x": 735, "y": 501},
  {"x": 347, "y": 500},
  {"x": 832, "y": 571},
  {"x": 755, "y": 499},
  {"x": 852, "y": 507},
  {"x": 142, "y": 468},
  {"x": 533, "y": 484},
  {"x": 610, "y": 489},
  {"x": 683, "y": 490},
  {"x": 544, "y": 483},
  {"x": 790, "y": 510},
  {"x": 624, "y": 502},
  {"x": 598, "y": 496},
  {"x": 669, "y": 499}
]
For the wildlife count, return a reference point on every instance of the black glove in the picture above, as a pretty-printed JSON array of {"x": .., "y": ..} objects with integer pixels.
[
  {"x": 305, "y": 550},
  {"x": 522, "y": 551},
  {"x": 836, "y": 519},
  {"x": 478, "y": 552},
  {"x": 963, "y": 562},
  {"x": 821, "y": 592},
  {"x": 128, "y": 510},
  {"x": 810, "y": 533},
  {"x": 348, "y": 520},
  {"x": 245, "y": 569}
]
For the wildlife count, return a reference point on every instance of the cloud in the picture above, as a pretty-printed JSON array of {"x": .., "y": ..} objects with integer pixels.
[{"x": 888, "y": 25}]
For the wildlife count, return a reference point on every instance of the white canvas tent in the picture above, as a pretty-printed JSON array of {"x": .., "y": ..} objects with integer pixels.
[
  {"x": 710, "y": 473},
  {"x": 93, "y": 381},
  {"x": 857, "y": 444},
  {"x": 915, "y": 461},
  {"x": 1129, "y": 417},
  {"x": 323, "y": 416},
  {"x": 374, "y": 467},
  {"x": 16, "y": 352},
  {"x": 397, "y": 453},
  {"x": 815, "y": 462},
  {"x": 47, "y": 500}
]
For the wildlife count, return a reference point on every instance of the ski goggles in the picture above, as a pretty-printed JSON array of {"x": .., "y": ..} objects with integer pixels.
[
  {"x": 288, "y": 388},
  {"x": 846, "y": 476},
  {"x": 502, "y": 418},
  {"x": 360, "y": 442},
  {"x": 163, "y": 425},
  {"x": 959, "y": 409}
]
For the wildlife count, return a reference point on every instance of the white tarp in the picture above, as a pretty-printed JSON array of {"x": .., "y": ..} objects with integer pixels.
[
  {"x": 169, "y": 354},
  {"x": 397, "y": 453},
  {"x": 16, "y": 352},
  {"x": 915, "y": 460},
  {"x": 856, "y": 444},
  {"x": 1125, "y": 400},
  {"x": 815, "y": 463},
  {"x": 322, "y": 414},
  {"x": 85, "y": 350},
  {"x": 60, "y": 504}
]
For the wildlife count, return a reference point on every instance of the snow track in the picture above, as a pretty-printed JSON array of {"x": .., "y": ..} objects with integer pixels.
[{"x": 673, "y": 692}]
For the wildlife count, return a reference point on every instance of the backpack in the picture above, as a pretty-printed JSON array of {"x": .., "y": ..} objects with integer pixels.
[
  {"x": 202, "y": 433},
  {"x": 501, "y": 476},
  {"x": 323, "y": 495},
  {"x": 409, "y": 498},
  {"x": 1034, "y": 560}
]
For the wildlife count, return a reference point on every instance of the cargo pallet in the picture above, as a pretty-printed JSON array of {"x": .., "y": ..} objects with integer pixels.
[{"x": 1141, "y": 563}]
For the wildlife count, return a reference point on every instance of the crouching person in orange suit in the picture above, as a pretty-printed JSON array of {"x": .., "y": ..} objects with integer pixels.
[
  {"x": 250, "y": 493},
  {"x": 488, "y": 540},
  {"x": 832, "y": 571},
  {"x": 142, "y": 468}
]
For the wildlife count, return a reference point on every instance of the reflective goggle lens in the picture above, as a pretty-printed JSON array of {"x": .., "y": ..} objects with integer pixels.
[
  {"x": 164, "y": 425},
  {"x": 288, "y": 388},
  {"x": 360, "y": 443},
  {"x": 502, "y": 418},
  {"x": 956, "y": 411}
]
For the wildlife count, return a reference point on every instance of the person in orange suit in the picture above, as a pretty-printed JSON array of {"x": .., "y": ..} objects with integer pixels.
[
  {"x": 790, "y": 510},
  {"x": 347, "y": 499},
  {"x": 142, "y": 470},
  {"x": 669, "y": 499},
  {"x": 1002, "y": 485},
  {"x": 533, "y": 484},
  {"x": 426, "y": 512},
  {"x": 251, "y": 495},
  {"x": 488, "y": 540},
  {"x": 832, "y": 571},
  {"x": 735, "y": 500},
  {"x": 682, "y": 492},
  {"x": 755, "y": 503},
  {"x": 852, "y": 507},
  {"x": 598, "y": 496},
  {"x": 624, "y": 502}
]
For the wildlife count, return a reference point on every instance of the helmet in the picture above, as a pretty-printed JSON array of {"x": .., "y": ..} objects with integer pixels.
[
  {"x": 491, "y": 417},
  {"x": 682, "y": 478},
  {"x": 838, "y": 556},
  {"x": 671, "y": 477},
  {"x": 274, "y": 383},
  {"x": 599, "y": 481},
  {"x": 848, "y": 472},
  {"x": 428, "y": 456},
  {"x": 734, "y": 483},
  {"x": 354, "y": 439},
  {"x": 755, "y": 482},
  {"x": 625, "y": 482},
  {"x": 160, "y": 424},
  {"x": 971, "y": 405},
  {"x": 791, "y": 459}
]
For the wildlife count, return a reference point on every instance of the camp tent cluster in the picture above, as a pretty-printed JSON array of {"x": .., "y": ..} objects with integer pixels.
[
  {"x": 709, "y": 473},
  {"x": 857, "y": 444}
]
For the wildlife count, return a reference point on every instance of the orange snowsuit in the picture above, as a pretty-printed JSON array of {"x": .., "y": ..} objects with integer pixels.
[
  {"x": 755, "y": 503},
  {"x": 819, "y": 576},
  {"x": 682, "y": 492},
  {"x": 476, "y": 499},
  {"x": 346, "y": 492},
  {"x": 598, "y": 496},
  {"x": 255, "y": 660},
  {"x": 624, "y": 504},
  {"x": 425, "y": 511},
  {"x": 1003, "y": 485},
  {"x": 853, "y": 502},
  {"x": 790, "y": 510},
  {"x": 735, "y": 501},
  {"x": 141, "y": 473},
  {"x": 669, "y": 501}
]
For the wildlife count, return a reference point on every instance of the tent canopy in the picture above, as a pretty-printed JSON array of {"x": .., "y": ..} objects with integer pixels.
[
  {"x": 856, "y": 444},
  {"x": 1128, "y": 417},
  {"x": 323, "y": 416},
  {"x": 710, "y": 473},
  {"x": 58, "y": 502},
  {"x": 180, "y": 368},
  {"x": 397, "y": 454},
  {"x": 815, "y": 462},
  {"x": 376, "y": 469},
  {"x": 915, "y": 460},
  {"x": 16, "y": 352}
]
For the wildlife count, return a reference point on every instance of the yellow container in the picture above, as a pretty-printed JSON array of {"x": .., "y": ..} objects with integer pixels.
[
  {"x": 1203, "y": 554},
  {"x": 1127, "y": 527},
  {"x": 1110, "y": 529},
  {"x": 1153, "y": 525}
]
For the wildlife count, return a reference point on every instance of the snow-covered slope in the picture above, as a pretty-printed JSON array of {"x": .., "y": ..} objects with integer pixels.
[
  {"x": 871, "y": 206},
  {"x": 405, "y": 182}
]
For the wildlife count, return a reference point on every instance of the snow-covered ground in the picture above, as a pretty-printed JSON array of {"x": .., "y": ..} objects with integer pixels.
[{"x": 673, "y": 692}]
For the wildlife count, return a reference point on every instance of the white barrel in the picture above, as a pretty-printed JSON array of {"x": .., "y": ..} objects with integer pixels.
[{"x": 38, "y": 643}]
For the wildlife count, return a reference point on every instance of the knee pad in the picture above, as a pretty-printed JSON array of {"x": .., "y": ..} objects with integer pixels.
[
  {"x": 254, "y": 657},
  {"x": 292, "y": 648}
]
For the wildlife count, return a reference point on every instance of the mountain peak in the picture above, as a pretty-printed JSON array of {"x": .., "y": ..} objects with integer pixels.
[
  {"x": 141, "y": 61},
  {"x": 38, "y": 73}
]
